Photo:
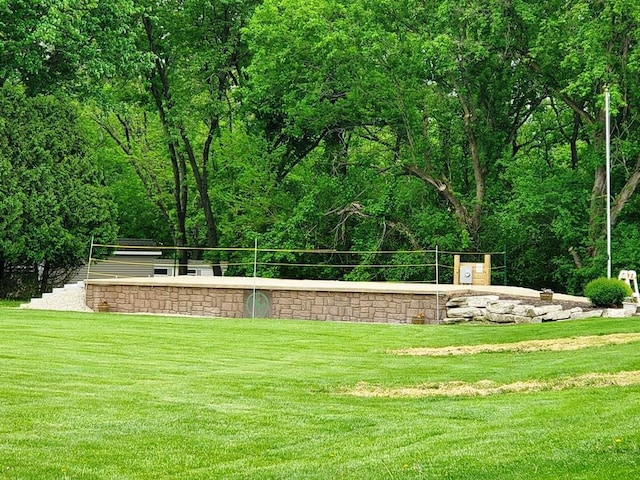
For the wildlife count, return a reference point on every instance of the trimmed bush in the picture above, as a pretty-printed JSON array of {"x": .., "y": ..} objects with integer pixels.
[{"x": 607, "y": 292}]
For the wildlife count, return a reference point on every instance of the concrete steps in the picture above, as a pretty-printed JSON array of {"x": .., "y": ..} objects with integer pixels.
[{"x": 70, "y": 298}]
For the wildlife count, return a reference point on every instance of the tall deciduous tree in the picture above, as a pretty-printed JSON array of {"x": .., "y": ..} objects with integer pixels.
[
  {"x": 197, "y": 59},
  {"x": 436, "y": 82},
  {"x": 577, "y": 50}
]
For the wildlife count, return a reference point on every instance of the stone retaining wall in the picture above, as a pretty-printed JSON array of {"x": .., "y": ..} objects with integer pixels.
[
  {"x": 322, "y": 300},
  {"x": 350, "y": 306},
  {"x": 212, "y": 302},
  {"x": 354, "y": 306}
]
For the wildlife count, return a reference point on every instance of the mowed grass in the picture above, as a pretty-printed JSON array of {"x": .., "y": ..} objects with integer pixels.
[
  {"x": 105, "y": 396},
  {"x": 11, "y": 303}
]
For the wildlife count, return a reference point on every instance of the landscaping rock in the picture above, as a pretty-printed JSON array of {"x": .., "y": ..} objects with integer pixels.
[
  {"x": 500, "y": 317},
  {"x": 489, "y": 308},
  {"x": 524, "y": 310},
  {"x": 457, "y": 302},
  {"x": 479, "y": 301},
  {"x": 616, "y": 313},
  {"x": 465, "y": 312},
  {"x": 556, "y": 315},
  {"x": 482, "y": 301},
  {"x": 589, "y": 314},
  {"x": 453, "y": 321},
  {"x": 521, "y": 319},
  {"x": 502, "y": 306},
  {"x": 546, "y": 309}
]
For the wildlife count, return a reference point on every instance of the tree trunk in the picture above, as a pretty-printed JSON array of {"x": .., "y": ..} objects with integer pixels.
[
  {"x": 159, "y": 83},
  {"x": 43, "y": 277},
  {"x": 597, "y": 209},
  {"x": 625, "y": 194},
  {"x": 180, "y": 195},
  {"x": 479, "y": 173},
  {"x": 465, "y": 220},
  {"x": 202, "y": 184}
]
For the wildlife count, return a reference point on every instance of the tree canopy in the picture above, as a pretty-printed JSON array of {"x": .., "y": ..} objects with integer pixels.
[
  {"x": 359, "y": 125},
  {"x": 52, "y": 196}
]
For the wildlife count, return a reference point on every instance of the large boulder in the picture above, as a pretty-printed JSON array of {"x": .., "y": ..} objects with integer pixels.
[
  {"x": 520, "y": 319},
  {"x": 502, "y": 306},
  {"x": 453, "y": 321},
  {"x": 479, "y": 301},
  {"x": 465, "y": 312},
  {"x": 531, "y": 311},
  {"x": 556, "y": 315},
  {"x": 616, "y": 313},
  {"x": 500, "y": 317},
  {"x": 588, "y": 314}
]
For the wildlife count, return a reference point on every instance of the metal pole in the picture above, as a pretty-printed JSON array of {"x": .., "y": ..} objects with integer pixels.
[
  {"x": 90, "y": 255},
  {"x": 255, "y": 271},
  {"x": 608, "y": 159},
  {"x": 437, "y": 288}
]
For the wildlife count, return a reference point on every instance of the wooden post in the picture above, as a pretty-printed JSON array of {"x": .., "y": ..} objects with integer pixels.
[
  {"x": 487, "y": 268},
  {"x": 456, "y": 269}
]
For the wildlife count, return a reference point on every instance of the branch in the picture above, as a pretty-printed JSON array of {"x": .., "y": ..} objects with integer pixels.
[
  {"x": 576, "y": 257},
  {"x": 407, "y": 233},
  {"x": 112, "y": 133},
  {"x": 625, "y": 194},
  {"x": 461, "y": 212}
]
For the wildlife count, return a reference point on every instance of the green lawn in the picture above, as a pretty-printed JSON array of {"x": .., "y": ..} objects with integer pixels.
[
  {"x": 11, "y": 303},
  {"x": 104, "y": 396}
]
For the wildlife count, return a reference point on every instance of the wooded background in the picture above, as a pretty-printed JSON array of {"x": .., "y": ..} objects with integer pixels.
[{"x": 348, "y": 125}]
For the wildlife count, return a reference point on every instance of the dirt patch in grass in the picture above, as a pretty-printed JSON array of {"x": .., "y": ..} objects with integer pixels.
[
  {"x": 554, "y": 344},
  {"x": 488, "y": 387}
]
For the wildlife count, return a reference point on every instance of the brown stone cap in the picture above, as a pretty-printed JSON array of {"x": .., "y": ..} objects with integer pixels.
[{"x": 248, "y": 283}]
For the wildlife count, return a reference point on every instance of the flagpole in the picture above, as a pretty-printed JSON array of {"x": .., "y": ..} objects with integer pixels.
[{"x": 608, "y": 160}]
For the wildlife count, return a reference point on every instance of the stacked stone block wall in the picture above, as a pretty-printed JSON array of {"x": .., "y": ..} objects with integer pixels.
[
  {"x": 353, "y": 306},
  {"x": 290, "y": 304},
  {"x": 212, "y": 302}
]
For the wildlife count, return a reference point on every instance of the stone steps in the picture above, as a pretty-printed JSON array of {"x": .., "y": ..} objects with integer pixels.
[{"x": 71, "y": 297}]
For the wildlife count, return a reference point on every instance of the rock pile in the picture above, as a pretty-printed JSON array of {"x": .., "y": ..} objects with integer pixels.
[{"x": 490, "y": 309}]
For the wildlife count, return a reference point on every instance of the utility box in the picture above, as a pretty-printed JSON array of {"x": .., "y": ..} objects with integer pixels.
[
  {"x": 472, "y": 273},
  {"x": 466, "y": 274}
]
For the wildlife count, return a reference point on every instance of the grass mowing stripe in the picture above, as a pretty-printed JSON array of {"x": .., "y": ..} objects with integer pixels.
[{"x": 93, "y": 396}]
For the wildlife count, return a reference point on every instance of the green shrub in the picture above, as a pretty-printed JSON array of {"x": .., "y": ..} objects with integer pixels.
[{"x": 607, "y": 292}]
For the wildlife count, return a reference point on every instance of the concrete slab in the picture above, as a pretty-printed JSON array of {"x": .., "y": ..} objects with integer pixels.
[{"x": 332, "y": 286}]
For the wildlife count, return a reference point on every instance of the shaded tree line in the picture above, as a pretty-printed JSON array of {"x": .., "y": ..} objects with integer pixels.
[{"x": 361, "y": 125}]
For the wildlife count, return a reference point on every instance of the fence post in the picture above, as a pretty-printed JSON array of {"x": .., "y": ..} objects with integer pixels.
[
  {"x": 90, "y": 255},
  {"x": 437, "y": 287},
  {"x": 505, "y": 265},
  {"x": 255, "y": 272}
]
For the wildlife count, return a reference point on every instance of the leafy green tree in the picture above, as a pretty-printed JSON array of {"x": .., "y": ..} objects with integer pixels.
[
  {"x": 441, "y": 92},
  {"x": 52, "y": 196},
  {"x": 196, "y": 60},
  {"x": 576, "y": 50},
  {"x": 140, "y": 212},
  {"x": 47, "y": 44}
]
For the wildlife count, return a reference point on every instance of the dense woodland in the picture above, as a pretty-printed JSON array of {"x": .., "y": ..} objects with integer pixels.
[{"x": 357, "y": 125}]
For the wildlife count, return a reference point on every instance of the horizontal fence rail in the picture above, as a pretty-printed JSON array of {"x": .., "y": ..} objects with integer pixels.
[{"x": 411, "y": 266}]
